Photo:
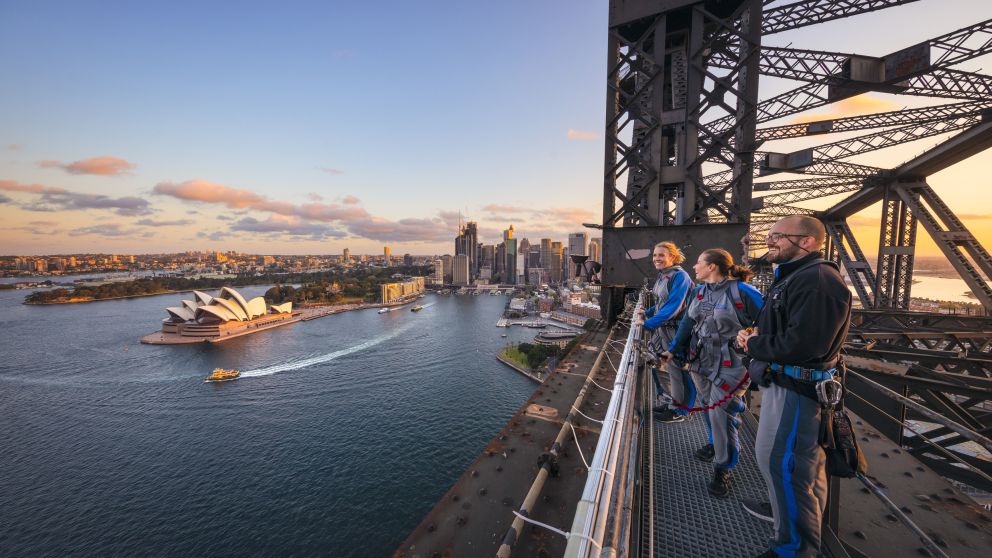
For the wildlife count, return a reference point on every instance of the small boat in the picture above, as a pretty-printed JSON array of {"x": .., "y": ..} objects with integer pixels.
[
  {"x": 417, "y": 308},
  {"x": 222, "y": 375},
  {"x": 504, "y": 335},
  {"x": 383, "y": 310}
]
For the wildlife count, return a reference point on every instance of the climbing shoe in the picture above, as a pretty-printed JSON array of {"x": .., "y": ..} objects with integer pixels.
[
  {"x": 758, "y": 508},
  {"x": 665, "y": 414},
  {"x": 768, "y": 554},
  {"x": 720, "y": 485},
  {"x": 705, "y": 453}
]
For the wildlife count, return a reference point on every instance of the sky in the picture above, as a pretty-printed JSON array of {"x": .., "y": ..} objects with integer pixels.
[{"x": 310, "y": 127}]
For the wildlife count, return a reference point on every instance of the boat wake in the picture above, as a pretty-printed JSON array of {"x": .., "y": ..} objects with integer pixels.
[{"x": 319, "y": 359}]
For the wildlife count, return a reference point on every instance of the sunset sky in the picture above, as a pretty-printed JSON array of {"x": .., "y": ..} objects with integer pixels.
[{"x": 308, "y": 127}]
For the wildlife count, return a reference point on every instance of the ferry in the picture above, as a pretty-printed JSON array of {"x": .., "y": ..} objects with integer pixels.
[
  {"x": 384, "y": 310},
  {"x": 222, "y": 375},
  {"x": 417, "y": 308}
]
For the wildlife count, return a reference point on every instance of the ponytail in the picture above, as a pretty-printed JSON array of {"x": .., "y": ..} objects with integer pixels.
[{"x": 725, "y": 263}]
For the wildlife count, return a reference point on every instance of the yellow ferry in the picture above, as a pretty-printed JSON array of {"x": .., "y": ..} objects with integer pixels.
[{"x": 222, "y": 375}]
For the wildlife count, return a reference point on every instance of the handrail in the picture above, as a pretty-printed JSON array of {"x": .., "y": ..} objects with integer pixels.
[{"x": 593, "y": 511}]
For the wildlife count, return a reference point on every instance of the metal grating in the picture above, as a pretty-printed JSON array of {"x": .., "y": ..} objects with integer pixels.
[{"x": 687, "y": 521}]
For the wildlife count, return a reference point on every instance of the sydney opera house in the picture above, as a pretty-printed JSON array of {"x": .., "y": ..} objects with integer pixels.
[{"x": 216, "y": 318}]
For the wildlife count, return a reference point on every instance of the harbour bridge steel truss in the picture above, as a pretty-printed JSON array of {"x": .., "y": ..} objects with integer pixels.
[{"x": 686, "y": 145}]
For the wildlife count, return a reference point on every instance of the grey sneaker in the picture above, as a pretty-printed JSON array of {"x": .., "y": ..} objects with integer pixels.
[
  {"x": 758, "y": 508},
  {"x": 666, "y": 414}
]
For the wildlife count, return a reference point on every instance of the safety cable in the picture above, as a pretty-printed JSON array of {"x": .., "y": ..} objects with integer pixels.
[
  {"x": 937, "y": 446},
  {"x": 575, "y": 437},
  {"x": 586, "y": 416},
  {"x": 565, "y": 534},
  {"x": 718, "y": 403}
]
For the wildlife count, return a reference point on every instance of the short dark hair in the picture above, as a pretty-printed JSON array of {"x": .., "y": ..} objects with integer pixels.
[{"x": 810, "y": 226}]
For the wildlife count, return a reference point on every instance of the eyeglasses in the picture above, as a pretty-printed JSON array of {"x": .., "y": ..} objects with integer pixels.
[{"x": 775, "y": 237}]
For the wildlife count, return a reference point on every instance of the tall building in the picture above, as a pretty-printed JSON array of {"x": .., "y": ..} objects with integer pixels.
[
  {"x": 577, "y": 243},
  {"x": 437, "y": 275},
  {"x": 554, "y": 270},
  {"x": 385, "y": 254},
  {"x": 546, "y": 253},
  {"x": 472, "y": 247},
  {"x": 446, "y": 261},
  {"x": 509, "y": 257},
  {"x": 346, "y": 255},
  {"x": 595, "y": 250},
  {"x": 407, "y": 260},
  {"x": 459, "y": 272}
]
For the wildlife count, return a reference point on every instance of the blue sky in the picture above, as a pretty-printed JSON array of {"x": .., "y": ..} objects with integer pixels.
[{"x": 360, "y": 124}]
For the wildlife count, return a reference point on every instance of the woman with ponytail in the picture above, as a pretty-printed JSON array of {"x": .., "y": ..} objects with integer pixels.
[{"x": 721, "y": 306}]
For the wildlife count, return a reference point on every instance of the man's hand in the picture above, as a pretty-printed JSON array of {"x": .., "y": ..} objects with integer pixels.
[
  {"x": 744, "y": 335},
  {"x": 638, "y": 318},
  {"x": 666, "y": 356}
]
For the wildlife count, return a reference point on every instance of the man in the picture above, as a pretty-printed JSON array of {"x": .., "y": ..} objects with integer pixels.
[{"x": 796, "y": 344}]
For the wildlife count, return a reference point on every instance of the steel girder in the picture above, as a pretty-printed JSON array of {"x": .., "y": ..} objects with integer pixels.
[
  {"x": 878, "y": 120},
  {"x": 810, "y": 12},
  {"x": 896, "y": 251}
]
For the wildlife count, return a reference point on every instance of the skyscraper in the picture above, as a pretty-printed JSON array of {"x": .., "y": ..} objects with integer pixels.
[
  {"x": 472, "y": 248},
  {"x": 546, "y": 253},
  {"x": 577, "y": 243},
  {"x": 385, "y": 254},
  {"x": 460, "y": 270},
  {"x": 346, "y": 255},
  {"x": 510, "y": 257},
  {"x": 554, "y": 269},
  {"x": 595, "y": 249}
]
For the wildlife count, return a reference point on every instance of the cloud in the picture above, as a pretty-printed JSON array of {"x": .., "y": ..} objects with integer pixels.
[
  {"x": 496, "y": 208},
  {"x": 13, "y": 147},
  {"x": 404, "y": 230},
  {"x": 235, "y": 198},
  {"x": 567, "y": 215},
  {"x": 581, "y": 135},
  {"x": 343, "y": 53},
  {"x": 333, "y": 171},
  {"x": 52, "y": 198},
  {"x": 287, "y": 225},
  {"x": 100, "y": 166},
  {"x": 176, "y": 223},
  {"x": 109, "y": 230},
  {"x": 853, "y": 106},
  {"x": 38, "y": 230},
  {"x": 43, "y": 223},
  {"x": 215, "y": 235},
  {"x": 312, "y": 196},
  {"x": 351, "y": 200}
]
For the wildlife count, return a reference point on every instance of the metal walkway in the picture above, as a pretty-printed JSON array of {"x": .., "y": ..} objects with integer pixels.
[{"x": 684, "y": 519}]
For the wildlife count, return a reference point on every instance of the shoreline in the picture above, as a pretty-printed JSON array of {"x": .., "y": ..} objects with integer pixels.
[{"x": 518, "y": 368}]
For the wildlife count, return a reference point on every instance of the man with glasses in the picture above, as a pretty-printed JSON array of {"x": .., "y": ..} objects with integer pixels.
[{"x": 795, "y": 345}]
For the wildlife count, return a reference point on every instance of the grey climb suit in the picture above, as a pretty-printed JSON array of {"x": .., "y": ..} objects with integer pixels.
[
  {"x": 660, "y": 322},
  {"x": 716, "y": 367}
]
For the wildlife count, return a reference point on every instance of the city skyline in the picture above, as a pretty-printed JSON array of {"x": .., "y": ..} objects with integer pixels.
[{"x": 283, "y": 133}]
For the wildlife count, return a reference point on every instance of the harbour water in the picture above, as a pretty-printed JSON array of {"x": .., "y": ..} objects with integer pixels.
[{"x": 341, "y": 434}]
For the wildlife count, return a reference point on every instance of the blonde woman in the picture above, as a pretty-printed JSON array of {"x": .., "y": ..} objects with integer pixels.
[{"x": 671, "y": 291}]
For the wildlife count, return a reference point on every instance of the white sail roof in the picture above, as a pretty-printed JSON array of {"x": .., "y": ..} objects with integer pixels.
[
  {"x": 216, "y": 311},
  {"x": 256, "y": 307},
  {"x": 284, "y": 308},
  {"x": 229, "y": 293},
  {"x": 202, "y": 298},
  {"x": 231, "y": 305},
  {"x": 180, "y": 313}
]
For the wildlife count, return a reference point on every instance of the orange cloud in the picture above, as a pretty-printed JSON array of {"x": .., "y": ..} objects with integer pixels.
[
  {"x": 100, "y": 166},
  {"x": 204, "y": 191},
  {"x": 581, "y": 135},
  {"x": 351, "y": 200},
  {"x": 853, "y": 106},
  {"x": 12, "y": 186},
  {"x": 496, "y": 208}
]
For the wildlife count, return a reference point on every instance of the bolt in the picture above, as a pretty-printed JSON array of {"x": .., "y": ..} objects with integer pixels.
[
  {"x": 860, "y": 535},
  {"x": 475, "y": 473},
  {"x": 482, "y": 491},
  {"x": 455, "y": 498},
  {"x": 431, "y": 528},
  {"x": 499, "y": 469}
]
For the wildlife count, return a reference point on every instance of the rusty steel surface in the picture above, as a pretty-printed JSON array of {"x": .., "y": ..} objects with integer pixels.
[{"x": 473, "y": 516}]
